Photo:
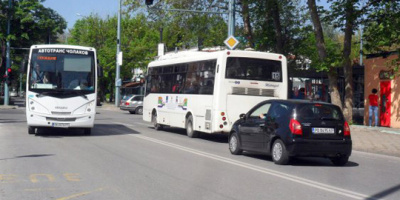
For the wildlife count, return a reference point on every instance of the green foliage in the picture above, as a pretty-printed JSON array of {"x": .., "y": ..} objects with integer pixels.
[{"x": 31, "y": 23}]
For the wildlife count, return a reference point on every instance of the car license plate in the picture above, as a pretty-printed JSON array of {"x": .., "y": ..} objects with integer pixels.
[
  {"x": 60, "y": 125},
  {"x": 323, "y": 130}
]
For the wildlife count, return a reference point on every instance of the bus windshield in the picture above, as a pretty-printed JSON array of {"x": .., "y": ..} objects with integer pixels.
[
  {"x": 59, "y": 71},
  {"x": 253, "y": 69}
]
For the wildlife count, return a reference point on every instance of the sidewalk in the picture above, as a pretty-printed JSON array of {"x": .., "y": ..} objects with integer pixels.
[{"x": 380, "y": 140}]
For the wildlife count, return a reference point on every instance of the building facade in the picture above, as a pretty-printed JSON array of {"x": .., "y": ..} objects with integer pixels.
[{"x": 380, "y": 74}]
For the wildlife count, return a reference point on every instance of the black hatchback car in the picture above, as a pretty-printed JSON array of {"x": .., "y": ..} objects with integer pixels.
[{"x": 291, "y": 128}]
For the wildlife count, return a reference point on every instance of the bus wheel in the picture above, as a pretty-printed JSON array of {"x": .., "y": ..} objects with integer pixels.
[
  {"x": 156, "y": 125},
  {"x": 189, "y": 128},
  {"x": 31, "y": 130},
  {"x": 87, "y": 131}
]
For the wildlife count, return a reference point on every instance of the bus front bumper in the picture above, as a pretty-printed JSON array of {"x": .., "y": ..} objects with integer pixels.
[{"x": 78, "y": 121}]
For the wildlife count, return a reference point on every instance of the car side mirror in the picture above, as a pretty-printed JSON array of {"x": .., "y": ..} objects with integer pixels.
[{"x": 242, "y": 116}]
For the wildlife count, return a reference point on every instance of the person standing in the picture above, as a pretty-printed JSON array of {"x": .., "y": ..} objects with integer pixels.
[{"x": 373, "y": 107}]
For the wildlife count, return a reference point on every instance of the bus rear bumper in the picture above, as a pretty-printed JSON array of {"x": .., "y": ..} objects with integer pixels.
[{"x": 81, "y": 121}]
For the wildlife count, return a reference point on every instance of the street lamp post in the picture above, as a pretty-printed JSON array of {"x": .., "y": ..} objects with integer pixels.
[
  {"x": 8, "y": 63},
  {"x": 117, "y": 73}
]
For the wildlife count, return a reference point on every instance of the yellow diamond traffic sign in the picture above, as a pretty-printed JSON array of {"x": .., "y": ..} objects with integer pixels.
[{"x": 231, "y": 42}]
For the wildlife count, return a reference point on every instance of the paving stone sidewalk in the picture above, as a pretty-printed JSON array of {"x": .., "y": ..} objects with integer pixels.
[{"x": 380, "y": 140}]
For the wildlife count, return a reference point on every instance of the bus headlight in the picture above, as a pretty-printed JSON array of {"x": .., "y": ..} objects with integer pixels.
[{"x": 89, "y": 107}]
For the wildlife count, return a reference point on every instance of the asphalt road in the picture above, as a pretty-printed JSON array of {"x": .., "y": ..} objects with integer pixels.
[{"x": 125, "y": 158}]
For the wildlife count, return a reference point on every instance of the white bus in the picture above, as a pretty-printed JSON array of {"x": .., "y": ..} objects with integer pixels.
[
  {"x": 207, "y": 91},
  {"x": 61, "y": 87}
]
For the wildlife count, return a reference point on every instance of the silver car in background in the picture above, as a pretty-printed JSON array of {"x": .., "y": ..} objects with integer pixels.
[{"x": 133, "y": 104}]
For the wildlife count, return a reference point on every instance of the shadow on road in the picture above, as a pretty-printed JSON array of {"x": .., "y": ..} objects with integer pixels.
[
  {"x": 385, "y": 193},
  {"x": 220, "y": 138},
  {"x": 28, "y": 156},
  {"x": 303, "y": 161},
  {"x": 98, "y": 130}
]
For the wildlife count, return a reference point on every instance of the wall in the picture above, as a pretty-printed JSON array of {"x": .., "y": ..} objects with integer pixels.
[{"x": 373, "y": 67}]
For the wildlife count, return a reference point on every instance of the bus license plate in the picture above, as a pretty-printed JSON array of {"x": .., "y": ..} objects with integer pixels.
[
  {"x": 60, "y": 125},
  {"x": 323, "y": 130}
]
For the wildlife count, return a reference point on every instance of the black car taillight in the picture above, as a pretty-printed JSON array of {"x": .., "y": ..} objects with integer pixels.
[
  {"x": 346, "y": 129},
  {"x": 295, "y": 127}
]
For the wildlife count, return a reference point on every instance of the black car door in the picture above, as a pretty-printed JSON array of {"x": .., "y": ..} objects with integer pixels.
[
  {"x": 251, "y": 130},
  {"x": 277, "y": 122}
]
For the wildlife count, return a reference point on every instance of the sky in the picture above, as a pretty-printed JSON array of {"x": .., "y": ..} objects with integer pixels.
[
  {"x": 69, "y": 9},
  {"x": 73, "y": 10}
]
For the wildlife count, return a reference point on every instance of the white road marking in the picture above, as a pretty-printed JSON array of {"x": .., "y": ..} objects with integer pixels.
[{"x": 289, "y": 177}]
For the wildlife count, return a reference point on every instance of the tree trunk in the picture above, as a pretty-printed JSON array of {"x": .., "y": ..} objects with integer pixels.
[
  {"x": 347, "y": 67},
  {"x": 319, "y": 35},
  {"x": 273, "y": 11},
  {"x": 247, "y": 24}
]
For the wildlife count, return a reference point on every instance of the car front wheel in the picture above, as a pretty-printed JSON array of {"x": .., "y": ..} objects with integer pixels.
[
  {"x": 279, "y": 154},
  {"x": 234, "y": 144}
]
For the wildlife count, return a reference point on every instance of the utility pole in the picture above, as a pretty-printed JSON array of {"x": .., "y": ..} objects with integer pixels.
[
  {"x": 117, "y": 74},
  {"x": 8, "y": 63},
  {"x": 231, "y": 18}
]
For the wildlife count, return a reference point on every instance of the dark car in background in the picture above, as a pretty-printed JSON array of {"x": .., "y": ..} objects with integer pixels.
[
  {"x": 293, "y": 128},
  {"x": 133, "y": 104}
]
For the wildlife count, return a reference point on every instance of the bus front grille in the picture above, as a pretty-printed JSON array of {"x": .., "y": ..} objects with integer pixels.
[
  {"x": 60, "y": 119},
  {"x": 61, "y": 113}
]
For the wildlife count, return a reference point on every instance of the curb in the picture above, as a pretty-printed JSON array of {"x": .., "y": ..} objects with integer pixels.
[{"x": 7, "y": 107}]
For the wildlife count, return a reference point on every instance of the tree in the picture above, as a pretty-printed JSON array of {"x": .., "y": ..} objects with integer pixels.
[
  {"x": 31, "y": 23},
  {"x": 323, "y": 56},
  {"x": 138, "y": 43}
]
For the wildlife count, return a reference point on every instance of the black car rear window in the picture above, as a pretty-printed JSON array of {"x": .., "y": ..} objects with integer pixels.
[{"x": 319, "y": 112}]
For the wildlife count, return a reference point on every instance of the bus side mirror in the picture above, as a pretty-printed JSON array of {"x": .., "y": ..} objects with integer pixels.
[
  {"x": 100, "y": 71},
  {"x": 22, "y": 68}
]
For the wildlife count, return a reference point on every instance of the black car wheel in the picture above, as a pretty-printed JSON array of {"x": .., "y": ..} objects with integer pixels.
[
  {"x": 139, "y": 110},
  {"x": 189, "y": 128},
  {"x": 340, "y": 161},
  {"x": 279, "y": 154},
  {"x": 234, "y": 144},
  {"x": 156, "y": 125}
]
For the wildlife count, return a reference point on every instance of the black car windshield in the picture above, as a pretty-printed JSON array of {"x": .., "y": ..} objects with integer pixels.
[
  {"x": 319, "y": 112},
  {"x": 62, "y": 72}
]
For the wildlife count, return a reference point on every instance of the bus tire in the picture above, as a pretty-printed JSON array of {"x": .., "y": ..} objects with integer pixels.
[
  {"x": 31, "y": 130},
  {"x": 189, "y": 128},
  {"x": 87, "y": 131},
  {"x": 156, "y": 125}
]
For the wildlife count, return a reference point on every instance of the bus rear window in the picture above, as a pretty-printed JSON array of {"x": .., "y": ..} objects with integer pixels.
[{"x": 254, "y": 69}]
